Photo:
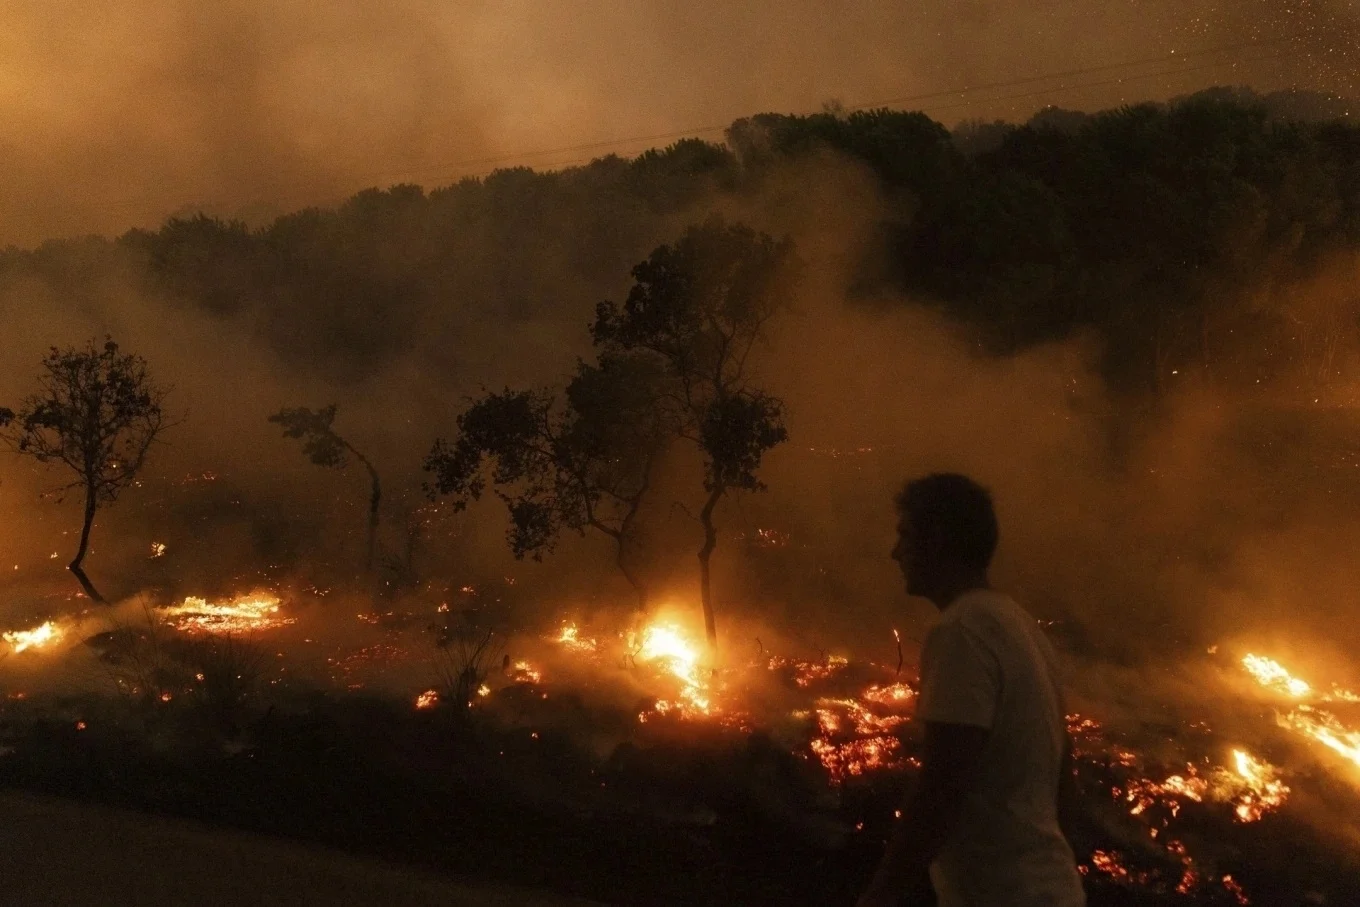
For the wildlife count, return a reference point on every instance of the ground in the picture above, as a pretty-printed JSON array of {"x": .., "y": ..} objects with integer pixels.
[{"x": 62, "y": 853}]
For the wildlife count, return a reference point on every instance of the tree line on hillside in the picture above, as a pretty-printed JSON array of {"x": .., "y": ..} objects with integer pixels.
[
  {"x": 1179, "y": 234},
  {"x": 673, "y": 368}
]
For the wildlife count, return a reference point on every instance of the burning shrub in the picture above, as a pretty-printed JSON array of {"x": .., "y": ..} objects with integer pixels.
[{"x": 468, "y": 650}]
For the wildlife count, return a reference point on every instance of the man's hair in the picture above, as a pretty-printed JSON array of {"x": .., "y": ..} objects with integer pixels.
[{"x": 956, "y": 508}]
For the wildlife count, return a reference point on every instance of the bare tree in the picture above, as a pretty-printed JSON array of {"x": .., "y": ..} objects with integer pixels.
[
  {"x": 325, "y": 448},
  {"x": 97, "y": 412}
]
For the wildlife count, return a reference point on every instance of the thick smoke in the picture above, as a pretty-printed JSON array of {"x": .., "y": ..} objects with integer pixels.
[{"x": 117, "y": 115}]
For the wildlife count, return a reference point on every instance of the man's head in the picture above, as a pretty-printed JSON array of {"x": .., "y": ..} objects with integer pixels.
[{"x": 946, "y": 536}]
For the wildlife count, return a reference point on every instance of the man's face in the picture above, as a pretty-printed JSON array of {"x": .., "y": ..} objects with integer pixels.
[{"x": 907, "y": 553}]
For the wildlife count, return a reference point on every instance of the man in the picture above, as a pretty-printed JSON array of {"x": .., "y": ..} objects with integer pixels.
[{"x": 981, "y": 827}]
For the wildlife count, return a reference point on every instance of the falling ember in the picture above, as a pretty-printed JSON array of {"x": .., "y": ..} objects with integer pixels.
[
  {"x": 40, "y": 637},
  {"x": 1271, "y": 674},
  {"x": 244, "y": 614},
  {"x": 427, "y": 699}
]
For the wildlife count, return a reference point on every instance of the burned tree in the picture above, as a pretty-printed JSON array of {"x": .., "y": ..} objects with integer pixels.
[
  {"x": 325, "y": 448},
  {"x": 698, "y": 308},
  {"x": 97, "y": 412},
  {"x": 584, "y": 463}
]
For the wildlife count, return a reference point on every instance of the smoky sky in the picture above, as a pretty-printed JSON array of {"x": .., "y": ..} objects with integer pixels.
[{"x": 119, "y": 114}]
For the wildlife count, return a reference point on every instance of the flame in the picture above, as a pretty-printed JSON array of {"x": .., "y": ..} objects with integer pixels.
[
  {"x": 571, "y": 638},
  {"x": 523, "y": 673},
  {"x": 157, "y": 549},
  {"x": 40, "y": 637},
  {"x": 667, "y": 645},
  {"x": 1320, "y": 725},
  {"x": 243, "y": 614},
  {"x": 1271, "y": 674},
  {"x": 1264, "y": 789},
  {"x": 1325, "y": 729},
  {"x": 427, "y": 699}
]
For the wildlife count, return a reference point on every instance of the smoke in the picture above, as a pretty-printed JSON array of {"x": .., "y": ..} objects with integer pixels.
[{"x": 118, "y": 115}]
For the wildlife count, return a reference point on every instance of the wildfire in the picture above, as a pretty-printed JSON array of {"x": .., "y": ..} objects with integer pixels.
[
  {"x": 571, "y": 638},
  {"x": 428, "y": 699},
  {"x": 1326, "y": 729},
  {"x": 856, "y": 757},
  {"x": 244, "y": 614},
  {"x": 523, "y": 673},
  {"x": 1271, "y": 674},
  {"x": 806, "y": 673},
  {"x": 1320, "y": 725},
  {"x": 40, "y": 637},
  {"x": 1264, "y": 789},
  {"x": 667, "y": 645},
  {"x": 892, "y": 694}
]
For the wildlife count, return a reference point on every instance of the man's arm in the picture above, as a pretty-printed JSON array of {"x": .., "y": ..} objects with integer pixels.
[{"x": 949, "y": 770}]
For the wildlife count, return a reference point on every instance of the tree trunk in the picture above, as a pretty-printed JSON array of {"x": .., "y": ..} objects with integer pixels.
[
  {"x": 639, "y": 587},
  {"x": 705, "y": 577},
  {"x": 374, "y": 501},
  {"x": 91, "y": 504}
]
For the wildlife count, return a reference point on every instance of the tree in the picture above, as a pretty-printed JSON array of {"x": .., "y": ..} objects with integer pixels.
[
  {"x": 584, "y": 463},
  {"x": 698, "y": 308},
  {"x": 326, "y": 448},
  {"x": 97, "y": 412}
]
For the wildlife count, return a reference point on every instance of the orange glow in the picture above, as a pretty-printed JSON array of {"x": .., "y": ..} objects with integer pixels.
[
  {"x": 244, "y": 614},
  {"x": 40, "y": 637}
]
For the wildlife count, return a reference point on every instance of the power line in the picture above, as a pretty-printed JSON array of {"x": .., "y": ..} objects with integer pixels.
[{"x": 906, "y": 99}]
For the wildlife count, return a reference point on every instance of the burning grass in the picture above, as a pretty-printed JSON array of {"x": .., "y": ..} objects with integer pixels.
[
  {"x": 243, "y": 614},
  {"x": 43, "y": 636}
]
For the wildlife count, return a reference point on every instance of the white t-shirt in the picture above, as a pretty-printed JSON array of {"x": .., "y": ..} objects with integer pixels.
[{"x": 987, "y": 664}]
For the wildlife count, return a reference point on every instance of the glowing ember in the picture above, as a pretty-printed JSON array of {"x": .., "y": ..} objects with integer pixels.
[
  {"x": 40, "y": 637},
  {"x": 1111, "y": 865},
  {"x": 1233, "y": 888},
  {"x": 157, "y": 549},
  {"x": 856, "y": 757},
  {"x": 428, "y": 699},
  {"x": 892, "y": 694},
  {"x": 1144, "y": 793},
  {"x": 807, "y": 673},
  {"x": 571, "y": 638},
  {"x": 483, "y": 690},
  {"x": 1264, "y": 789},
  {"x": 242, "y": 615},
  {"x": 1271, "y": 674}
]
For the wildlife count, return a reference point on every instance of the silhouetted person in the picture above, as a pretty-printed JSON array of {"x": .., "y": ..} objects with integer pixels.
[{"x": 981, "y": 828}]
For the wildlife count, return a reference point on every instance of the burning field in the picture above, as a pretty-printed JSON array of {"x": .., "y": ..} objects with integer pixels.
[{"x": 631, "y": 724}]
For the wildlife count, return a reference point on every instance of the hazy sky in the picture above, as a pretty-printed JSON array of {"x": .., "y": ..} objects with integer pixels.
[{"x": 114, "y": 114}]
